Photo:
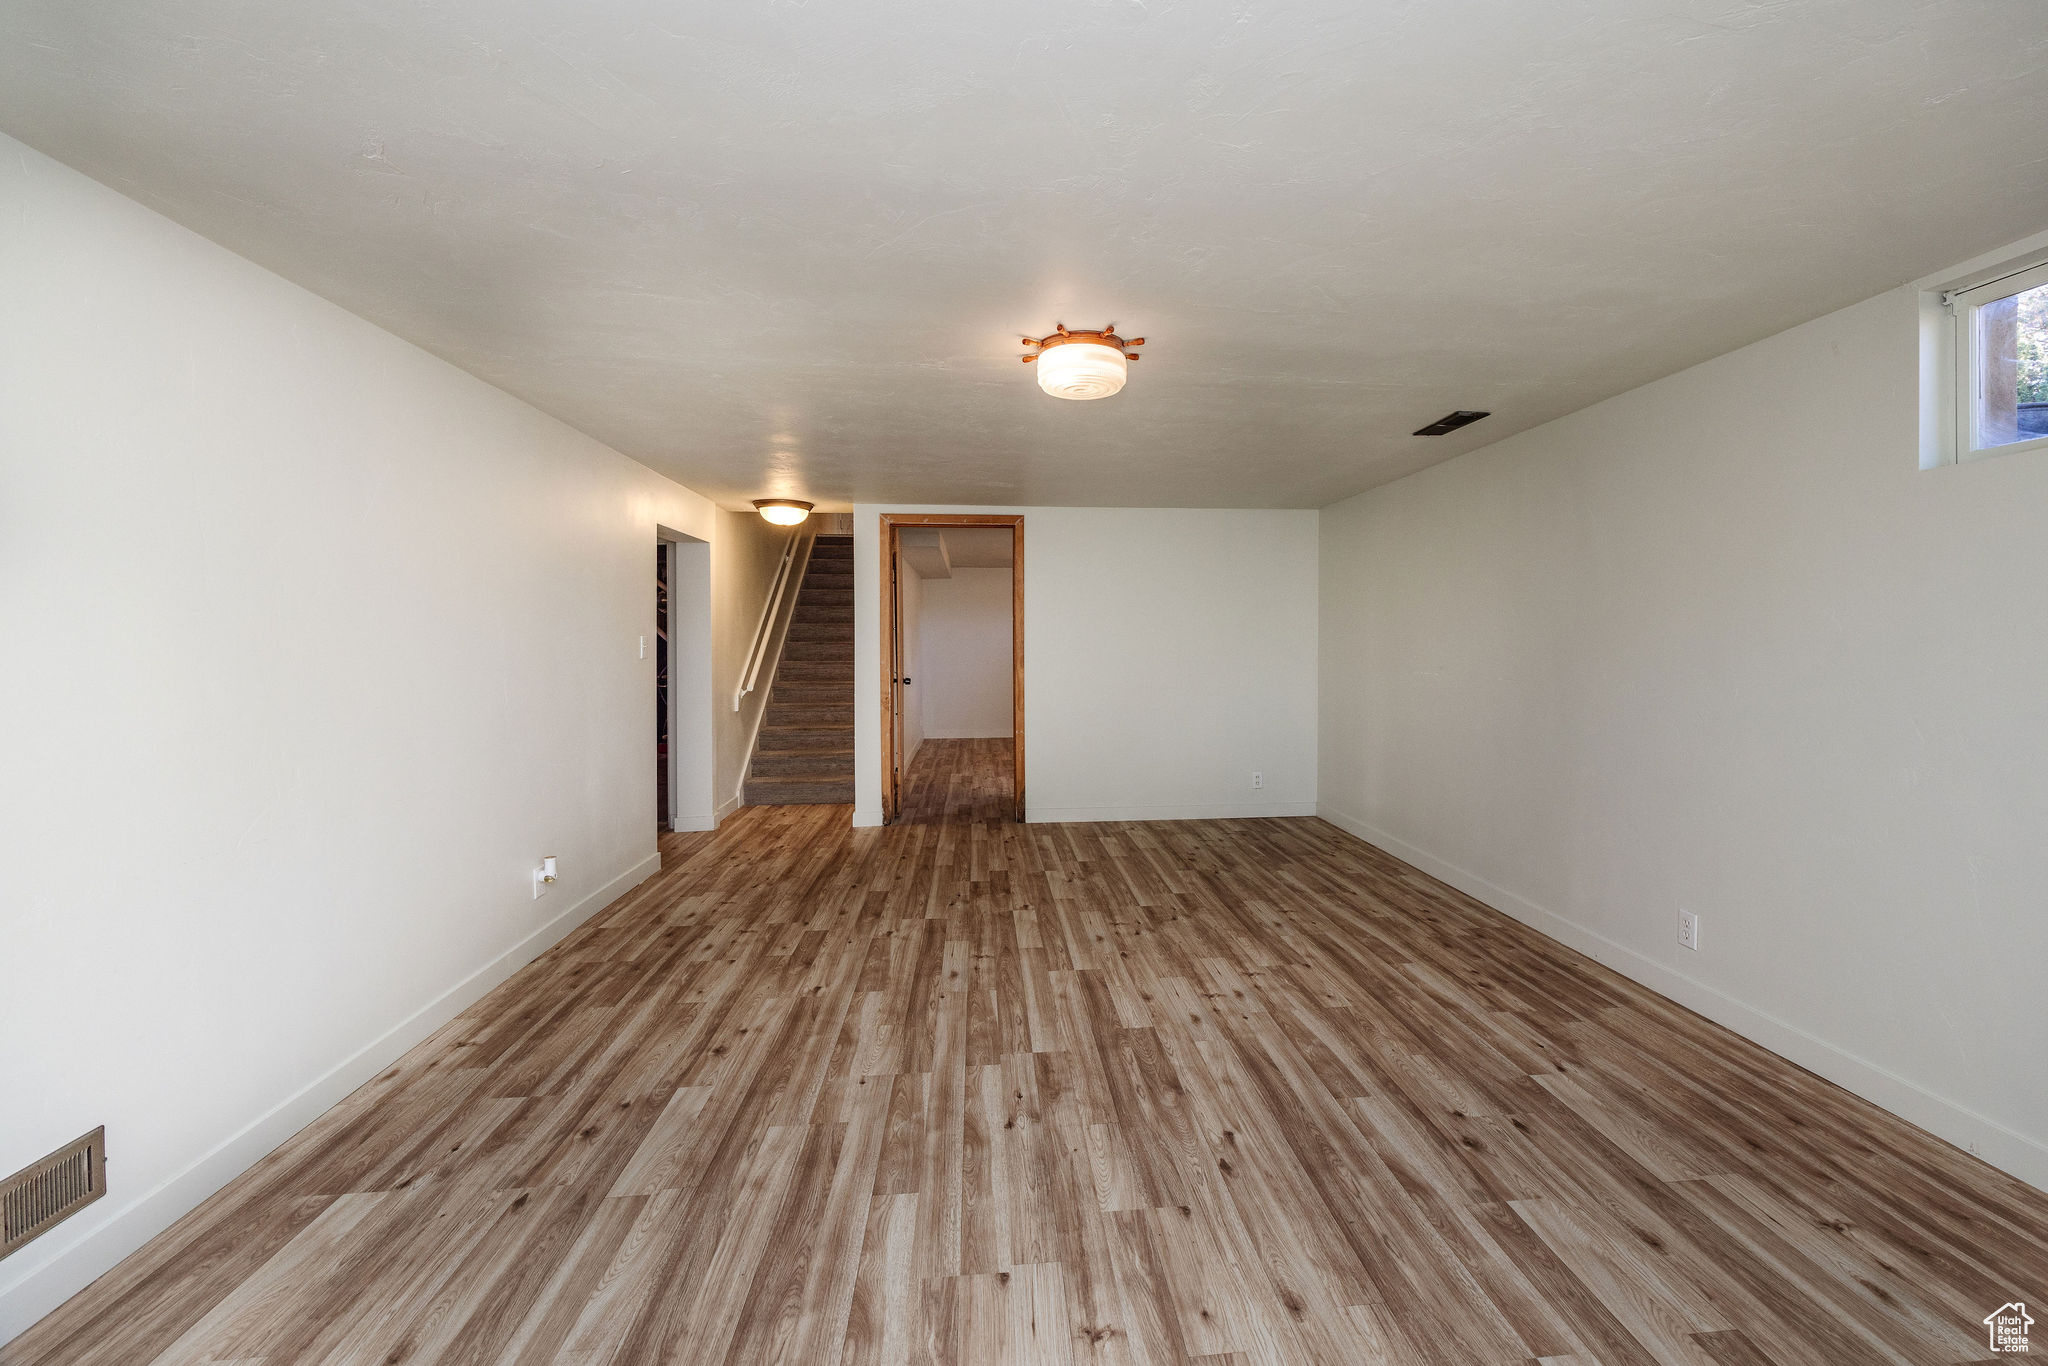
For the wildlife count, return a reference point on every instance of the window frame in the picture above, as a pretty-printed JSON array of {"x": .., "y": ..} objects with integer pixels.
[{"x": 1965, "y": 344}]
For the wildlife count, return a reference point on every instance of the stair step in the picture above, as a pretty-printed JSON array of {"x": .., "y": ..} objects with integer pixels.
[
  {"x": 788, "y": 711},
  {"x": 838, "y": 672},
  {"x": 799, "y": 791},
  {"x": 799, "y": 690},
  {"x": 802, "y": 763},
  {"x": 812, "y": 598},
  {"x": 821, "y": 651},
  {"x": 804, "y": 737},
  {"x": 828, "y": 689},
  {"x": 808, "y": 628},
  {"x": 814, "y": 712}
]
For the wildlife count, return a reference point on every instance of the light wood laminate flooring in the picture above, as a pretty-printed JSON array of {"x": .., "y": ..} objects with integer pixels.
[{"x": 963, "y": 1090}]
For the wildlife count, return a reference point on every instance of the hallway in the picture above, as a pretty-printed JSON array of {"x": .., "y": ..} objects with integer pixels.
[{"x": 959, "y": 780}]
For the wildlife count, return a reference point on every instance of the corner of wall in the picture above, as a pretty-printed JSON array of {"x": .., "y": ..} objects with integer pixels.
[{"x": 2007, "y": 1149}]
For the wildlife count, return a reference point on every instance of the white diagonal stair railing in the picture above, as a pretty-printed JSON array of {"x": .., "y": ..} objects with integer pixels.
[{"x": 771, "y": 609}]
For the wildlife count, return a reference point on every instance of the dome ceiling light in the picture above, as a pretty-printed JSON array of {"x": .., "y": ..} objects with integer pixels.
[
  {"x": 1082, "y": 364},
  {"x": 783, "y": 511}
]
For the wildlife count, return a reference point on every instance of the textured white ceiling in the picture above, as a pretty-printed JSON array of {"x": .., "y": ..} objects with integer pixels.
[{"x": 789, "y": 249}]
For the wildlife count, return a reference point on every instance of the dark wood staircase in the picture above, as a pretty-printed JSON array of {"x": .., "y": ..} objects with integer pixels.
[{"x": 804, "y": 753}]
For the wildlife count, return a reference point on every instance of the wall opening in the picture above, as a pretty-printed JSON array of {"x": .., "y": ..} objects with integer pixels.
[
  {"x": 952, "y": 665},
  {"x": 686, "y": 635}
]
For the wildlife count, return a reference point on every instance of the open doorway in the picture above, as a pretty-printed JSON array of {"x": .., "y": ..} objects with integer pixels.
[
  {"x": 952, "y": 666},
  {"x": 663, "y": 570}
]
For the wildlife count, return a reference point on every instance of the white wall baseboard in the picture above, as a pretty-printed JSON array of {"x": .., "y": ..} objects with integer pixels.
[
  {"x": 1194, "y": 811},
  {"x": 2007, "y": 1149},
  {"x": 703, "y": 820},
  {"x": 119, "y": 1229},
  {"x": 865, "y": 819},
  {"x": 699, "y": 821}
]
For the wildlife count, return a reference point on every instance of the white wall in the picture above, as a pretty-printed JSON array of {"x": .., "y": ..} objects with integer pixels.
[
  {"x": 911, "y": 596},
  {"x": 963, "y": 661},
  {"x": 314, "y": 645},
  {"x": 746, "y": 553},
  {"x": 1168, "y": 653},
  {"x": 1720, "y": 644}
]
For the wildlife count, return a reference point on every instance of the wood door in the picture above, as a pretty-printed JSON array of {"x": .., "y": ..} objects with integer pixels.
[
  {"x": 892, "y": 784},
  {"x": 663, "y": 743}
]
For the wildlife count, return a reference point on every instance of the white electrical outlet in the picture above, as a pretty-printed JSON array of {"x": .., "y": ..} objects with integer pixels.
[
  {"x": 1688, "y": 930},
  {"x": 1258, "y": 780},
  {"x": 544, "y": 877}
]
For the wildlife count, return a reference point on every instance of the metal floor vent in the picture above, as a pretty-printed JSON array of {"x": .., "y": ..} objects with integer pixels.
[{"x": 44, "y": 1194}]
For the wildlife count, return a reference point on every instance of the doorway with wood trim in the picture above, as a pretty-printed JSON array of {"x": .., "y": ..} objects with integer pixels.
[
  {"x": 951, "y": 749},
  {"x": 663, "y": 760}
]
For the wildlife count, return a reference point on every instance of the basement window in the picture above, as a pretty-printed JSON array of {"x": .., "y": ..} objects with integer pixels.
[{"x": 1998, "y": 344}]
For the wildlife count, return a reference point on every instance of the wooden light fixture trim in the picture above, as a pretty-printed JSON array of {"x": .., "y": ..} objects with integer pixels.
[{"x": 1061, "y": 336}]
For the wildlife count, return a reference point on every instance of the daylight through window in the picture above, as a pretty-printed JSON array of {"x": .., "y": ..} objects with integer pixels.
[{"x": 2002, "y": 363}]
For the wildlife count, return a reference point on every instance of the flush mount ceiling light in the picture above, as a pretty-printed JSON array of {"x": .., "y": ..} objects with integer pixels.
[
  {"x": 1082, "y": 364},
  {"x": 783, "y": 511}
]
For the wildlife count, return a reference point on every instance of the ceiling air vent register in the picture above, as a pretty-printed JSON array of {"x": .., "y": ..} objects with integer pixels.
[{"x": 1450, "y": 422}]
